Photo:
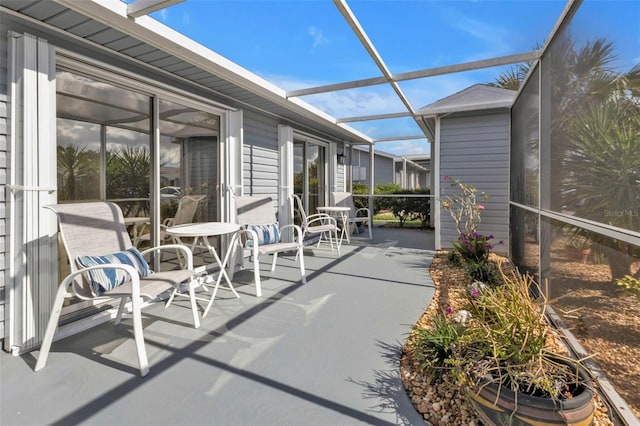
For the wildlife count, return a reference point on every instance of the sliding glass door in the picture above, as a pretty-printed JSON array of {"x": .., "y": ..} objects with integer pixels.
[
  {"x": 310, "y": 174},
  {"x": 105, "y": 152}
]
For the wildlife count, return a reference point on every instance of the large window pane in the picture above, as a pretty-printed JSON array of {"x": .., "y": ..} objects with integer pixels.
[
  {"x": 188, "y": 158},
  {"x": 103, "y": 143}
]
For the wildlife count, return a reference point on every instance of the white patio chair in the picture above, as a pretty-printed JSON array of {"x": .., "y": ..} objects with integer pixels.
[
  {"x": 356, "y": 216},
  {"x": 186, "y": 212},
  {"x": 263, "y": 235},
  {"x": 105, "y": 265},
  {"x": 321, "y": 224}
]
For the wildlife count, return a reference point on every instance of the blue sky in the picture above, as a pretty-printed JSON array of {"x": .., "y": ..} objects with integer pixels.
[{"x": 297, "y": 44}]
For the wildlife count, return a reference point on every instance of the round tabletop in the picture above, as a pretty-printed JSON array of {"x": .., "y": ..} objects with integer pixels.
[
  {"x": 132, "y": 220},
  {"x": 202, "y": 229},
  {"x": 333, "y": 208}
]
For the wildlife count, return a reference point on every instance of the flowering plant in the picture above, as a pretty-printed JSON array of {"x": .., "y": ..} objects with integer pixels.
[
  {"x": 463, "y": 206},
  {"x": 465, "y": 211},
  {"x": 474, "y": 246}
]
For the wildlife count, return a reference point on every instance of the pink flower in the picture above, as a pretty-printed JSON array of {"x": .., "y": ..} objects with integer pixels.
[
  {"x": 480, "y": 207},
  {"x": 449, "y": 310},
  {"x": 446, "y": 177}
]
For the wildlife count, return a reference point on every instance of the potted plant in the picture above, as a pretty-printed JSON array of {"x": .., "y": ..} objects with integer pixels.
[
  {"x": 577, "y": 248},
  {"x": 511, "y": 361}
]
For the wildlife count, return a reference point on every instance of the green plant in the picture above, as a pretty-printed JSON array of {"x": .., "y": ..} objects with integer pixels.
[
  {"x": 579, "y": 243},
  {"x": 453, "y": 258},
  {"x": 432, "y": 346},
  {"x": 629, "y": 286},
  {"x": 481, "y": 271}
]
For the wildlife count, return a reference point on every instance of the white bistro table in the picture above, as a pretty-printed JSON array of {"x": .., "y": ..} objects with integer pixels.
[
  {"x": 343, "y": 213},
  {"x": 200, "y": 232}
]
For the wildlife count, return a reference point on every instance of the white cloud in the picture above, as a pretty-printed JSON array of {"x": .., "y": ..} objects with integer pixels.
[
  {"x": 164, "y": 15},
  {"x": 318, "y": 37},
  {"x": 498, "y": 39}
]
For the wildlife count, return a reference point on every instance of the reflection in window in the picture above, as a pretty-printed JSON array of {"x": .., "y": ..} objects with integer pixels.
[
  {"x": 309, "y": 180},
  {"x": 188, "y": 159},
  {"x": 103, "y": 143},
  {"x": 78, "y": 160}
]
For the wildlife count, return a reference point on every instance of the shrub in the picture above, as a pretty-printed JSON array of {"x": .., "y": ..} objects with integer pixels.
[
  {"x": 475, "y": 247},
  {"x": 433, "y": 346},
  {"x": 481, "y": 271},
  {"x": 629, "y": 286}
]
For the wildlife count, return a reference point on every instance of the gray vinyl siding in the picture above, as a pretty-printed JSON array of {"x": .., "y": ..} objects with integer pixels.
[
  {"x": 383, "y": 170},
  {"x": 340, "y": 183},
  {"x": 475, "y": 149},
  {"x": 3, "y": 174},
  {"x": 260, "y": 155}
]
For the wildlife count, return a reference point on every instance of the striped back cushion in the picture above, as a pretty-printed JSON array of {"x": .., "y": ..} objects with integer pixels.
[
  {"x": 102, "y": 280},
  {"x": 267, "y": 234}
]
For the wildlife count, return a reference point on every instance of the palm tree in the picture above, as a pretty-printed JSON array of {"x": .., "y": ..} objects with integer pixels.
[
  {"x": 78, "y": 176},
  {"x": 128, "y": 172},
  {"x": 594, "y": 137}
]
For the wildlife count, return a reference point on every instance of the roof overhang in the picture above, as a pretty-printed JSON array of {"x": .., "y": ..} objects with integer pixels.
[{"x": 180, "y": 56}]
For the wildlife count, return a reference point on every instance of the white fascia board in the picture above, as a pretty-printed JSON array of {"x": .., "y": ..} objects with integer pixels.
[
  {"x": 463, "y": 108},
  {"x": 114, "y": 14}
]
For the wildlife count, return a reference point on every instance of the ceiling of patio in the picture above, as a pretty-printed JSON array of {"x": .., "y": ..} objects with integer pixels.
[{"x": 378, "y": 91}]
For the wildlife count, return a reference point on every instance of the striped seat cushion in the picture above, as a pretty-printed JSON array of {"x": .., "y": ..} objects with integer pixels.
[
  {"x": 267, "y": 234},
  {"x": 102, "y": 280}
]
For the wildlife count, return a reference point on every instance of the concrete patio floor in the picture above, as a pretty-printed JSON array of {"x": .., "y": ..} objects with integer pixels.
[{"x": 322, "y": 353}]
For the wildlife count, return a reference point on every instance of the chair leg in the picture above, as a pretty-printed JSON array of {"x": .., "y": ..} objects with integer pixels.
[
  {"x": 139, "y": 337},
  {"x": 170, "y": 299},
  {"x": 273, "y": 264},
  {"x": 369, "y": 222},
  {"x": 194, "y": 305},
  {"x": 123, "y": 302},
  {"x": 256, "y": 275},
  {"x": 302, "y": 272},
  {"x": 52, "y": 325}
]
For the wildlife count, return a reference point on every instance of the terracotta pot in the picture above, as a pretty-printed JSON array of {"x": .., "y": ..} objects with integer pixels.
[
  {"x": 522, "y": 409},
  {"x": 577, "y": 254}
]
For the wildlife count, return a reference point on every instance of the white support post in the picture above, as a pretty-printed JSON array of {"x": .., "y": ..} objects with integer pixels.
[
  {"x": 32, "y": 175},
  {"x": 436, "y": 185},
  {"x": 285, "y": 178}
]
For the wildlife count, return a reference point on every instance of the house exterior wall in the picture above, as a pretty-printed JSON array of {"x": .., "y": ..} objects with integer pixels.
[
  {"x": 260, "y": 157},
  {"x": 383, "y": 170},
  {"x": 4, "y": 124},
  {"x": 474, "y": 148}
]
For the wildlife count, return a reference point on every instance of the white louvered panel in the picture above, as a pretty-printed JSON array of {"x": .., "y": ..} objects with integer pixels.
[{"x": 32, "y": 264}]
